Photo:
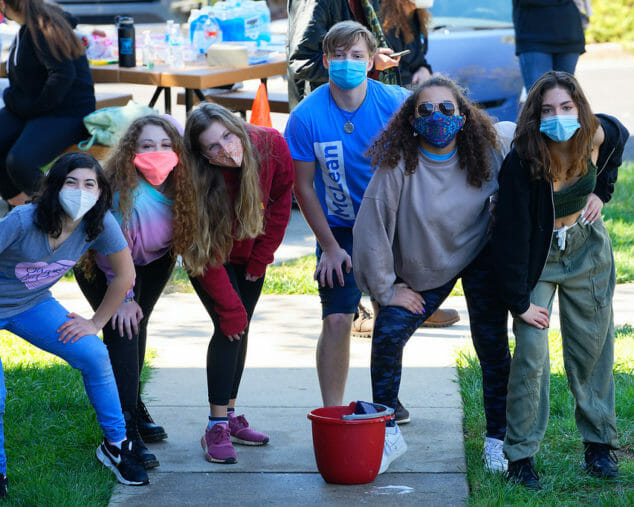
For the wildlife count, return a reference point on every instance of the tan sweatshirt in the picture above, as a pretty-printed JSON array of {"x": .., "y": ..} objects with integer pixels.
[{"x": 425, "y": 227}]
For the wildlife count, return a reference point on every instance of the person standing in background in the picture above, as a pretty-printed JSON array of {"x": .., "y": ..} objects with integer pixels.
[{"x": 548, "y": 36}]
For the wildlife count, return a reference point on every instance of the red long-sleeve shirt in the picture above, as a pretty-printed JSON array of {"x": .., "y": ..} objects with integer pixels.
[{"x": 276, "y": 181}]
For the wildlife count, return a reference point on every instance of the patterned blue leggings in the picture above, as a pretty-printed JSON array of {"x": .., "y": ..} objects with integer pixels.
[{"x": 488, "y": 317}]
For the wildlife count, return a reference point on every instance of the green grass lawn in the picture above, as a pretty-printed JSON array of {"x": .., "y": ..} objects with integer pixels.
[
  {"x": 51, "y": 432},
  {"x": 619, "y": 220},
  {"x": 559, "y": 460}
]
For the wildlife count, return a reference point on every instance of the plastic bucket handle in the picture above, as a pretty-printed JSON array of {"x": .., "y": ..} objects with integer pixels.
[{"x": 387, "y": 411}]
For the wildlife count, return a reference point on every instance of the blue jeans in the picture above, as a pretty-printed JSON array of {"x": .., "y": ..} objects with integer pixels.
[
  {"x": 89, "y": 355},
  {"x": 535, "y": 64},
  {"x": 3, "y": 395}
]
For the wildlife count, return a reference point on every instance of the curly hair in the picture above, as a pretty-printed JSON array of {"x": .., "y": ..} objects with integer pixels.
[
  {"x": 473, "y": 141},
  {"x": 533, "y": 147},
  {"x": 50, "y": 216},
  {"x": 218, "y": 224},
  {"x": 124, "y": 179},
  {"x": 396, "y": 13}
]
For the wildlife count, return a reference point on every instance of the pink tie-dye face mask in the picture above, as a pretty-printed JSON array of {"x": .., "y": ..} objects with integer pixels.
[{"x": 228, "y": 156}]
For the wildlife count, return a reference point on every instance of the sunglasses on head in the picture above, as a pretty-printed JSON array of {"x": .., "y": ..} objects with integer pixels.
[{"x": 446, "y": 107}]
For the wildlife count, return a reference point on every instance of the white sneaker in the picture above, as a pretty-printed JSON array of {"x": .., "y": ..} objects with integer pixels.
[
  {"x": 393, "y": 447},
  {"x": 493, "y": 457}
]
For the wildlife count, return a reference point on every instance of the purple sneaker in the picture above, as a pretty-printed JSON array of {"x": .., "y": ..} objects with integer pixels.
[
  {"x": 242, "y": 434},
  {"x": 217, "y": 445}
]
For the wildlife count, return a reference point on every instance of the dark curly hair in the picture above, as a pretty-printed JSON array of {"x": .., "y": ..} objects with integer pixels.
[
  {"x": 533, "y": 147},
  {"x": 474, "y": 140},
  {"x": 50, "y": 216}
]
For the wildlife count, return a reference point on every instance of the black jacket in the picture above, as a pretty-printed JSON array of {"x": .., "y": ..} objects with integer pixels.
[
  {"x": 410, "y": 63},
  {"x": 308, "y": 23},
  {"x": 40, "y": 85},
  {"x": 547, "y": 26},
  {"x": 525, "y": 216}
]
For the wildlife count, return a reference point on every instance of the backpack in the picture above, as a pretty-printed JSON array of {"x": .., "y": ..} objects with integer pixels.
[{"x": 108, "y": 124}]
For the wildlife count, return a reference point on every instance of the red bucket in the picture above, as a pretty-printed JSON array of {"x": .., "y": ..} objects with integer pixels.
[{"x": 348, "y": 451}]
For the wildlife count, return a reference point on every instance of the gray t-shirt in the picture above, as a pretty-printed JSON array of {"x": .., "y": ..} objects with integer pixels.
[{"x": 28, "y": 266}]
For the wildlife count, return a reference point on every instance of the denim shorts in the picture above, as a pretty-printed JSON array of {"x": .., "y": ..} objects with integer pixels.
[{"x": 340, "y": 299}]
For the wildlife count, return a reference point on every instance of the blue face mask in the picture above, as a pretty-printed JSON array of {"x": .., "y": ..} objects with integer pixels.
[
  {"x": 347, "y": 74},
  {"x": 560, "y": 128},
  {"x": 438, "y": 129}
]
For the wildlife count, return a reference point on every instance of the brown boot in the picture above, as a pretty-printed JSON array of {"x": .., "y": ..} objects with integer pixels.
[
  {"x": 441, "y": 318},
  {"x": 363, "y": 325}
]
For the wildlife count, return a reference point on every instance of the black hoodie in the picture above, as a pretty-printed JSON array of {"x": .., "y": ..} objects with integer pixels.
[
  {"x": 525, "y": 216},
  {"x": 547, "y": 26},
  {"x": 40, "y": 85}
]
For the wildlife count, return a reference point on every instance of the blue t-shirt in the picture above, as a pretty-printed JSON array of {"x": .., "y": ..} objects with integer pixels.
[
  {"x": 28, "y": 266},
  {"x": 314, "y": 132}
]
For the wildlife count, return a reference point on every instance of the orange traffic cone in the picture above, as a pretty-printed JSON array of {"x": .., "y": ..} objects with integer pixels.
[{"x": 261, "y": 111}]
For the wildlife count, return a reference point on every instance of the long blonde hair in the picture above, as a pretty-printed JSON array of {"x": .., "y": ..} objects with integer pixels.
[
  {"x": 124, "y": 179},
  {"x": 217, "y": 224}
]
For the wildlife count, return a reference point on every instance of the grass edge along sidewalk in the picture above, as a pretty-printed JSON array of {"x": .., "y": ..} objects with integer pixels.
[{"x": 558, "y": 462}]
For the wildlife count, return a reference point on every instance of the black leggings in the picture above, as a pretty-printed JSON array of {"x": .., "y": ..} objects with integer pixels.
[
  {"x": 225, "y": 359},
  {"x": 488, "y": 319},
  {"x": 127, "y": 355}
]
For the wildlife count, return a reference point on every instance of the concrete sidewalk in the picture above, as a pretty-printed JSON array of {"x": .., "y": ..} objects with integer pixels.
[{"x": 279, "y": 388}]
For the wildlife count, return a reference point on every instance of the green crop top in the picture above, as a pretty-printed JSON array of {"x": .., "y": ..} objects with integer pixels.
[{"x": 572, "y": 199}]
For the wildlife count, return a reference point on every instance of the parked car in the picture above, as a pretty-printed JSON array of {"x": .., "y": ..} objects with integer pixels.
[
  {"x": 473, "y": 42},
  {"x": 104, "y": 11}
]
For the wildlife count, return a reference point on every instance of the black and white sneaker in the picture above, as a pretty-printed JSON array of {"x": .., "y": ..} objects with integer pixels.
[
  {"x": 4, "y": 486},
  {"x": 123, "y": 463}
]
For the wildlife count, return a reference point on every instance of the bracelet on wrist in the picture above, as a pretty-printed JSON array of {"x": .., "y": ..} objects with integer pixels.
[{"x": 128, "y": 299}]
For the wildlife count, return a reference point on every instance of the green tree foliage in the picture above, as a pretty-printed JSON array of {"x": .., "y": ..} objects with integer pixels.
[{"x": 612, "y": 21}]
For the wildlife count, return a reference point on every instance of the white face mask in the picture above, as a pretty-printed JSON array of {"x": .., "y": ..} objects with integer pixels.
[
  {"x": 423, "y": 4},
  {"x": 76, "y": 202}
]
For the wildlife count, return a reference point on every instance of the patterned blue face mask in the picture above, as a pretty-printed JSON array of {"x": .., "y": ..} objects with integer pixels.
[
  {"x": 560, "y": 128},
  {"x": 347, "y": 74},
  {"x": 438, "y": 129}
]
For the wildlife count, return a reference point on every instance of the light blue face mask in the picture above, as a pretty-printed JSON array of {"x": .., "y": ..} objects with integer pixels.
[
  {"x": 347, "y": 74},
  {"x": 560, "y": 128}
]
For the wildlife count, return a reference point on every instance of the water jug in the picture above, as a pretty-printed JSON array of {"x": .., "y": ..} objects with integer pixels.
[{"x": 125, "y": 32}]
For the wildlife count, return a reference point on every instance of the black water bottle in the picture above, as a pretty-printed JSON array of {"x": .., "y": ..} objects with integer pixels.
[{"x": 125, "y": 31}]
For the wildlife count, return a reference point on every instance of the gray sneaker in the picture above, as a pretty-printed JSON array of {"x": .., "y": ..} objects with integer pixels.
[{"x": 493, "y": 456}]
